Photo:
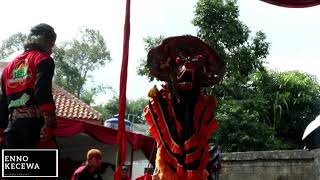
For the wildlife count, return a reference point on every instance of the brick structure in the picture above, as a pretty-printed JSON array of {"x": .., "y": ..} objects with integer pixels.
[{"x": 271, "y": 165}]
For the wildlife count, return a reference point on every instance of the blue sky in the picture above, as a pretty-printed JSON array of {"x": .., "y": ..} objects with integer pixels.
[{"x": 293, "y": 33}]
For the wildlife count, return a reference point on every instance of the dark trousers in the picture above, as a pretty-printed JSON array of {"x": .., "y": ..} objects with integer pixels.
[{"x": 24, "y": 133}]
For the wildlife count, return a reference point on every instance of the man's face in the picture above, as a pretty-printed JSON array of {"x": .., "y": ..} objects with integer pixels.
[
  {"x": 124, "y": 174},
  {"x": 50, "y": 48},
  {"x": 95, "y": 161}
]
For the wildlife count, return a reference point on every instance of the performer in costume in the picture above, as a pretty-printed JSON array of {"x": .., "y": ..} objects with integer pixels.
[
  {"x": 181, "y": 118},
  {"x": 26, "y": 102}
]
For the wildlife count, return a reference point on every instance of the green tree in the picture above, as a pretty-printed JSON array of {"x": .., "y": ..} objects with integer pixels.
[
  {"x": 239, "y": 114},
  {"x": 240, "y": 128},
  {"x": 88, "y": 95},
  {"x": 252, "y": 99},
  {"x": 219, "y": 25},
  {"x": 149, "y": 42},
  {"x": 109, "y": 109},
  {"x": 11, "y": 45},
  {"x": 278, "y": 107},
  {"x": 293, "y": 101},
  {"x": 134, "y": 109},
  {"x": 257, "y": 109},
  {"x": 77, "y": 59}
]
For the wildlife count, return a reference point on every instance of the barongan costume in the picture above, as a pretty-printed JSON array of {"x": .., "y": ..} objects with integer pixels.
[
  {"x": 181, "y": 118},
  {"x": 26, "y": 101}
]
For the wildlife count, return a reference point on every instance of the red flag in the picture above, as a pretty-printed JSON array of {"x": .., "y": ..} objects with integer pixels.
[
  {"x": 294, "y": 3},
  {"x": 121, "y": 140}
]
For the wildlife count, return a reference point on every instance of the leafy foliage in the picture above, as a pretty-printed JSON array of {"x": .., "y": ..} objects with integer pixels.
[
  {"x": 257, "y": 109},
  {"x": 219, "y": 25},
  {"x": 13, "y": 44},
  {"x": 88, "y": 95},
  {"x": 150, "y": 42},
  {"x": 293, "y": 102},
  {"x": 109, "y": 109},
  {"x": 76, "y": 59},
  {"x": 134, "y": 108},
  {"x": 240, "y": 128}
]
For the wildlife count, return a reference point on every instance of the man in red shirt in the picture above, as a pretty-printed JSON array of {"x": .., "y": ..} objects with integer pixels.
[
  {"x": 26, "y": 102},
  {"x": 125, "y": 173},
  {"x": 89, "y": 170}
]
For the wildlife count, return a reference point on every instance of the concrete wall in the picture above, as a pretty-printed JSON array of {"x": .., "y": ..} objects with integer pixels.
[{"x": 271, "y": 165}]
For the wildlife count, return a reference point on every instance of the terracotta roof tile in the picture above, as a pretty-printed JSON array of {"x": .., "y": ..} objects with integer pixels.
[{"x": 70, "y": 107}]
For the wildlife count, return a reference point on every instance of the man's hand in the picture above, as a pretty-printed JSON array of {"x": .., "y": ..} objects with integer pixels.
[
  {"x": 50, "y": 119},
  {"x": 48, "y": 130},
  {"x": 155, "y": 175}
]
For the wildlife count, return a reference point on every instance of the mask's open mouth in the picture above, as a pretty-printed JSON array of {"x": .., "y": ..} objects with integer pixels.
[{"x": 185, "y": 78}]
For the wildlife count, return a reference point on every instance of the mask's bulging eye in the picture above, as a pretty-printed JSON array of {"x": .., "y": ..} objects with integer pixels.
[
  {"x": 200, "y": 58},
  {"x": 178, "y": 60}
]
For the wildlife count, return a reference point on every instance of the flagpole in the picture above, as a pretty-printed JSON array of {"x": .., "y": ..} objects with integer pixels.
[{"x": 121, "y": 138}]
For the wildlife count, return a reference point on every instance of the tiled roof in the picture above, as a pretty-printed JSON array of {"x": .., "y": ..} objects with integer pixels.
[{"x": 70, "y": 107}]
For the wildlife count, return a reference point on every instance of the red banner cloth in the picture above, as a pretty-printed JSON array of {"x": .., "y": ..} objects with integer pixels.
[
  {"x": 294, "y": 3},
  {"x": 147, "y": 176},
  {"x": 70, "y": 127}
]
